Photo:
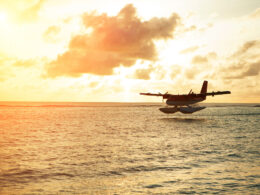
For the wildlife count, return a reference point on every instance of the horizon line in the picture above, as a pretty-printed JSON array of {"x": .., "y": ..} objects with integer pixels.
[{"x": 26, "y": 101}]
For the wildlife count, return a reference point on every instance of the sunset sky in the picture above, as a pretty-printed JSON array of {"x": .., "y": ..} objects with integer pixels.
[{"x": 110, "y": 51}]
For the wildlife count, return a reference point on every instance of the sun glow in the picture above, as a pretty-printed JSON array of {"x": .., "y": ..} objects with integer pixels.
[
  {"x": 98, "y": 51},
  {"x": 3, "y": 18}
]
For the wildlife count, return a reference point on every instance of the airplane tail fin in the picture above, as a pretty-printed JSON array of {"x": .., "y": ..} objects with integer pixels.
[{"x": 204, "y": 87}]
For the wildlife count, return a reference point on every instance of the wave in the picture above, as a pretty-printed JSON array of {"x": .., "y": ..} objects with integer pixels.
[
  {"x": 230, "y": 104},
  {"x": 244, "y": 114},
  {"x": 28, "y": 175},
  {"x": 139, "y": 169}
]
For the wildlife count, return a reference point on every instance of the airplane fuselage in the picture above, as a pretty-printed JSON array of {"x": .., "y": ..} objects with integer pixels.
[{"x": 182, "y": 100}]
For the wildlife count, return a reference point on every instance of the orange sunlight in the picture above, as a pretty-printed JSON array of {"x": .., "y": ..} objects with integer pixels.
[{"x": 64, "y": 48}]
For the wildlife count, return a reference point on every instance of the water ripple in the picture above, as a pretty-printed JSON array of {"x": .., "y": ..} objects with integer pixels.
[{"x": 128, "y": 150}]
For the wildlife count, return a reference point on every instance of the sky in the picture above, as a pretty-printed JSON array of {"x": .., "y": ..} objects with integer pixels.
[{"x": 110, "y": 51}]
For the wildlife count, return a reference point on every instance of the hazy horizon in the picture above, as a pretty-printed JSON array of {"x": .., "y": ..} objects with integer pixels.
[{"x": 152, "y": 103}]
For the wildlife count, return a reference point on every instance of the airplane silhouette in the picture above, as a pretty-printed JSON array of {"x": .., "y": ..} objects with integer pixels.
[{"x": 182, "y": 102}]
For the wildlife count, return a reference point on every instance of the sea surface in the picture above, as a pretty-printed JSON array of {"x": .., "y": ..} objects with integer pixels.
[{"x": 128, "y": 148}]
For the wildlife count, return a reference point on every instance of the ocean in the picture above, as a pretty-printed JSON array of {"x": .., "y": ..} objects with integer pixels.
[{"x": 128, "y": 148}]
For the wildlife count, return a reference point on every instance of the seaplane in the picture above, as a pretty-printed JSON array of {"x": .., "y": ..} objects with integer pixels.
[{"x": 182, "y": 103}]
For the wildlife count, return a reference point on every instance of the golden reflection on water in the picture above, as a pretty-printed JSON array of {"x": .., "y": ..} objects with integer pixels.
[{"x": 126, "y": 150}]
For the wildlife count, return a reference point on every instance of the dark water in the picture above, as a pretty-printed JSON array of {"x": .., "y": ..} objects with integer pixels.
[{"x": 128, "y": 149}]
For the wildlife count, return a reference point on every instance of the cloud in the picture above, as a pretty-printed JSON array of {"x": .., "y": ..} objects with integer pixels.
[
  {"x": 246, "y": 47},
  {"x": 11, "y": 66},
  {"x": 200, "y": 65},
  {"x": 23, "y": 10},
  {"x": 252, "y": 70},
  {"x": 27, "y": 63},
  {"x": 190, "y": 28},
  {"x": 113, "y": 41},
  {"x": 206, "y": 27},
  {"x": 255, "y": 14},
  {"x": 153, "y": 71},
  {"x": 5, "y": 68},
  {"x": 175, "y": 70},
  {"x": 4, "y": 74},
  {"x": 199, "y": 59},
  {"x": 24, "y": 63},
  {"x": 245, "y": 70},
  {"x": 245, "y": 62},
  {"x": 203, "y": 59},
  {"x": 189, "y": 50},
  {"x": 143, "y": 73},
  {"x": 50, "y": 35},
  {"x": 31, "y": 13}
]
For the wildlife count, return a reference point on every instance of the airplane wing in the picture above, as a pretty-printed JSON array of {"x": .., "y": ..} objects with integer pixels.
[
  {"x": 167, "y": 95},
  {"x": 164, "y": 96},
  {"x": 152, "y": 94},
  {"x": 218, "y": 93}
]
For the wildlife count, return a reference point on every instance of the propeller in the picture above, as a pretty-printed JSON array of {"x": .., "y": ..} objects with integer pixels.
[{"x": 164, "y": 95}]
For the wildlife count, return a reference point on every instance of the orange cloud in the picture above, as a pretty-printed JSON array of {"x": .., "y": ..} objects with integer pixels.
[{"x": 113, "y": 41}]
